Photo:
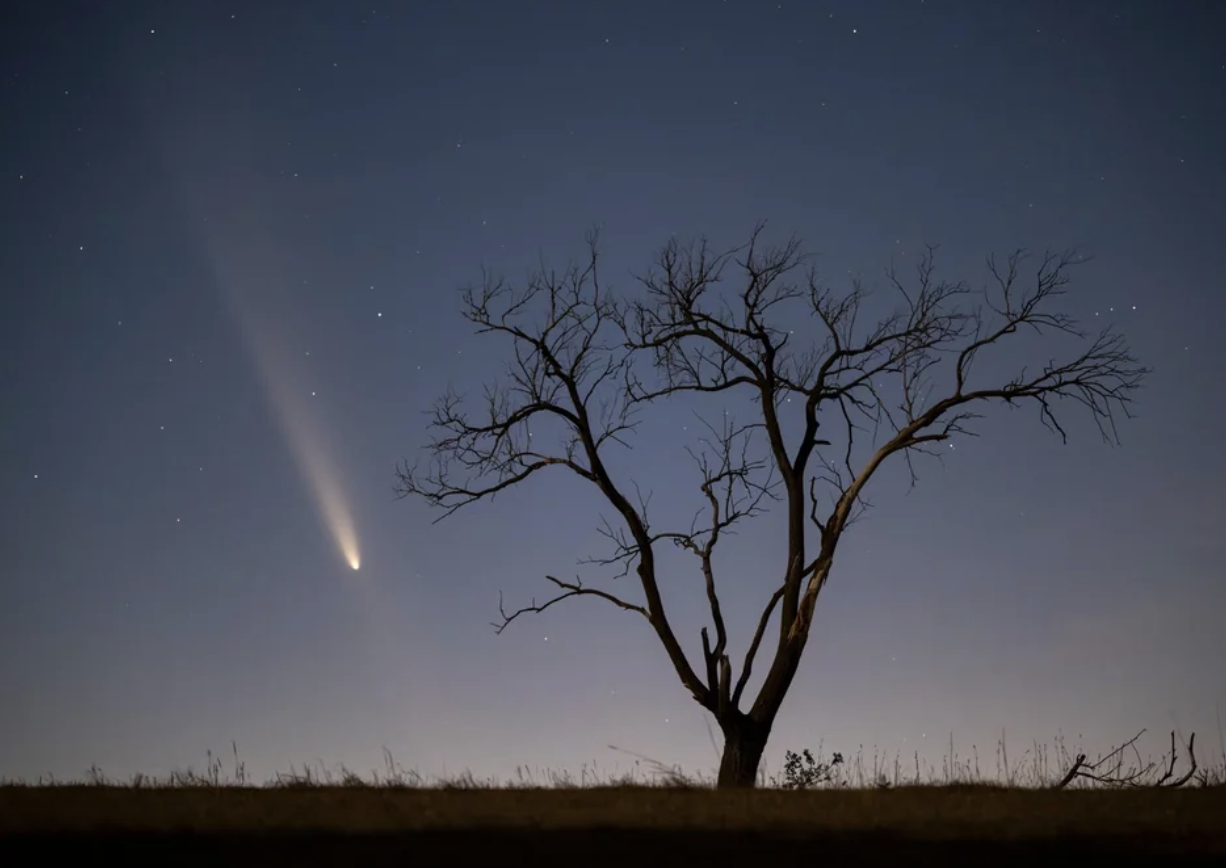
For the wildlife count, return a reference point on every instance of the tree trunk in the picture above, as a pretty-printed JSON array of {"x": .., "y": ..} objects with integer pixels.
[{"x": 744, "y": 742}]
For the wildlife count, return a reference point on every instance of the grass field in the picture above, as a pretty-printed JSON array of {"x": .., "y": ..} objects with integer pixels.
[{"x": 217, "y": 817}]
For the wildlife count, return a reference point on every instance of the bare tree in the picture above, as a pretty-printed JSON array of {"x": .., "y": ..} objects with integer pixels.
[{"x": 898, "y": 386}]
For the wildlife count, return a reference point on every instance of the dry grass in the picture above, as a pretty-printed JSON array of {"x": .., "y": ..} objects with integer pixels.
[
  {"x": 925, "y": 812},
  {"x": 869, "y": 807}
]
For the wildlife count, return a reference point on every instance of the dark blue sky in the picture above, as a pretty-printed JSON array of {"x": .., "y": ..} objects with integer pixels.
[{"x": 232, "y": 235}]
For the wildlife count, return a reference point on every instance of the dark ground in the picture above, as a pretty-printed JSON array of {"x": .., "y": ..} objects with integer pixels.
[{"x": 623, "y": 826}]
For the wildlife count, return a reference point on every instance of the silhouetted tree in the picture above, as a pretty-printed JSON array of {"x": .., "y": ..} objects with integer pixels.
[{"x": 587, "y": 360}]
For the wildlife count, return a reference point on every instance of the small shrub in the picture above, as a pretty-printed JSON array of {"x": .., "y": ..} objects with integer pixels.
[{"x": 801, "y": 771}]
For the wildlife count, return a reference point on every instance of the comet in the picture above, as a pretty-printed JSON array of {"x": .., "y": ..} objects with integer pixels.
[
  {"x": 301, "y": 425},
  {"x": 232, "y": 212},
  {"x": 250, "y": 277},
  {"x": 209, "y": 158}
]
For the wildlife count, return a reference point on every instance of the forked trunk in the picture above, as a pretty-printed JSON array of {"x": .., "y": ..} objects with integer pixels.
[{"x": 744, "y": 742}]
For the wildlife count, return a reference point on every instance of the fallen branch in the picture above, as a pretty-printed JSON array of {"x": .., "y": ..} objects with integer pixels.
[{"x": 1117, "y": 776}]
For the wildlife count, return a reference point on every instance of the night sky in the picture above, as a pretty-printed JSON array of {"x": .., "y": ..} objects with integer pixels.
[{"x": 232, "y": 237}]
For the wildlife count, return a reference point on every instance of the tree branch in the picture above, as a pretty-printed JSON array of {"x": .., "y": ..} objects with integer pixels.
[
  {"x": 569, "y": 589},
  {"x": 1111, "y": 771}
]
